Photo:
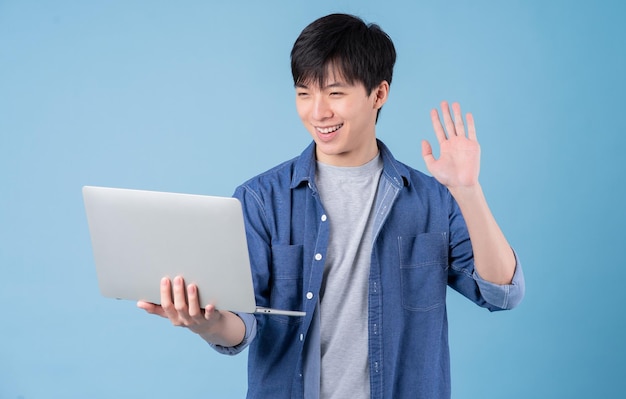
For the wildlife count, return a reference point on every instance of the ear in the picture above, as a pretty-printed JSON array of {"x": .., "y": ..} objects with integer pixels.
[{"x": 381, "y": 93}]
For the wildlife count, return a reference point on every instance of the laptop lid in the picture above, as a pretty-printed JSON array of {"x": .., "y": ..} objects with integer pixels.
[{"x": 138, "y": 237}]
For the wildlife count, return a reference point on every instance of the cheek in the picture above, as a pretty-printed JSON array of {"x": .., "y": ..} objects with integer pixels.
[{"x": 347, "y": 110}]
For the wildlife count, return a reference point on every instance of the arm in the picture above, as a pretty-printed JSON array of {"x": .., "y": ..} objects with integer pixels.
[
  {"x": 216, "y": 327},
  {"x": 458, "y": 168}
]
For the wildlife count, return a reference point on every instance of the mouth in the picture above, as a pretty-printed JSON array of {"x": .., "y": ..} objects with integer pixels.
[{"x": 329, "y": 129}]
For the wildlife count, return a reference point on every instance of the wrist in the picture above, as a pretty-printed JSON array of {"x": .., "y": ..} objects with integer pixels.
[
  {"x": 466, "y": 193},
  {"x": 227, "y": 329}
]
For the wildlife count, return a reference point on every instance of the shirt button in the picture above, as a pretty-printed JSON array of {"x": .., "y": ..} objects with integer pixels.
[
  {"x": 309, "y": 295},
  {"x": 324, "y": 218},
  {"x": 318, "y": 256},
  {"x": 301, "y": 337}
]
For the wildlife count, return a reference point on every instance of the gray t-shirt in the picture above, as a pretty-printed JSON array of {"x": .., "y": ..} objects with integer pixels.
[{"x": 347, "y": 194}]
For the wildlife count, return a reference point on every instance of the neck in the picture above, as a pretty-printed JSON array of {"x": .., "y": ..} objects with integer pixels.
[{"x": 356, "y": 157}]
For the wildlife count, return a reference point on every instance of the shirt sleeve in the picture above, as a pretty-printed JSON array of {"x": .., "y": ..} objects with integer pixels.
[
  {"x": 505, "y": 296},
  {"x": 249, "y": 320}
]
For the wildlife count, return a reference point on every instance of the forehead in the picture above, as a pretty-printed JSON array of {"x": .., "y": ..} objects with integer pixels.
[{"x": 329, "y": 75}]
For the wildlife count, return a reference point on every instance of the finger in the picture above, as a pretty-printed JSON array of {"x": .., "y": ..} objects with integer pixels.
[
  {"x": 166, "y": 297},
  {"x": 458, "y": 120},
  {"x": 427, "y": 154},
  {"x": 439, "y": 132},
  {"x": 195, "y": 310},
  {"x": 151, "y": 308},
  {"x": 180, "y": 300},
  {"x": 447, "y": 119},
  {"x": 471, "y": 128},
  {"x": 211, "y": 312}
]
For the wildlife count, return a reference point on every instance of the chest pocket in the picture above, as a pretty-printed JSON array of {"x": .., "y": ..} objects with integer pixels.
[
  {"x": 423, "y": 271},
  {"x": 286, "y": 281}
]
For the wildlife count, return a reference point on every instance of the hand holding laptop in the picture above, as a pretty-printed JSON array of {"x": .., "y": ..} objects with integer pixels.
[{"x": 181, "y": 306}]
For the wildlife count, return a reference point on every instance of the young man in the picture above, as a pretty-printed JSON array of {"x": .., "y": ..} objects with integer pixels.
[{"x": 362, "y": 243}]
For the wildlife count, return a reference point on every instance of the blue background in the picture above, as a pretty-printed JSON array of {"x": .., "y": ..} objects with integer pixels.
[{"x": 196, "y": 97}]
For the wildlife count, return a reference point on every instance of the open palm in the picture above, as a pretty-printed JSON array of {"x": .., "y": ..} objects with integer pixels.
[{"x": 459, "y": 156}]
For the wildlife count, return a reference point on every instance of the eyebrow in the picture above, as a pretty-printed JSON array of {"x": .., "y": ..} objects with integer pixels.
[{"x": 328, "y": 86}]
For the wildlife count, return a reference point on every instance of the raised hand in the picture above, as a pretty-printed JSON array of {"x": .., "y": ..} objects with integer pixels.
[{"x": 458, "y": 165}]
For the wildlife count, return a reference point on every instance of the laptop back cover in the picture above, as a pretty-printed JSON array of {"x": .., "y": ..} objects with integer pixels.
[{"x": 139, "y": 236}]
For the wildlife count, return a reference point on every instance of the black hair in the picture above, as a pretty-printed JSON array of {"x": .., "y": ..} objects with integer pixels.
[{"x": 359, "y": 52}]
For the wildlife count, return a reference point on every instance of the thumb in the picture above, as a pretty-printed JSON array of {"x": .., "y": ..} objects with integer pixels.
[{"x": 427, "y": 154}]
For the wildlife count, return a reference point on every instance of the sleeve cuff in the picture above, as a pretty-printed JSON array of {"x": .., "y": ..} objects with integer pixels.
[
  {"x": 250, "y": 323},
  {"x": 505, "y": 296}
]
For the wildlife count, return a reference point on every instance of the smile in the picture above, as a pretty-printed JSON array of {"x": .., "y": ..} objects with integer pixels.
[{"x": 330, "y": 129}]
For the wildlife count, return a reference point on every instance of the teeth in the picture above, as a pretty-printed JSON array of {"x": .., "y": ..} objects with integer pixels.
[{"x": 329, "y": 129}]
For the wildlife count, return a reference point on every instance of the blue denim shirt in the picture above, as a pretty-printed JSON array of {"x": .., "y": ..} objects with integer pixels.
[{"x": 421, "y": 246}]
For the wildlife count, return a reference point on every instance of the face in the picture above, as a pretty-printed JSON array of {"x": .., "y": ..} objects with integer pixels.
[{"x": 341, "y": 118}]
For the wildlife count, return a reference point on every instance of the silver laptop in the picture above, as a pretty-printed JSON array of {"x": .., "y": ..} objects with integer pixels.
[{"x": 138, "y": 237}]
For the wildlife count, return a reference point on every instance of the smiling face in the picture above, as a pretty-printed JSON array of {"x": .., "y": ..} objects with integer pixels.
[{"x": 341, "y": 118}]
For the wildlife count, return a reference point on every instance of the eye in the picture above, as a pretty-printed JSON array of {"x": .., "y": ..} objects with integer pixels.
[
  {"x": 336, "y": 94},
  {"x": 302, "y": 94}
]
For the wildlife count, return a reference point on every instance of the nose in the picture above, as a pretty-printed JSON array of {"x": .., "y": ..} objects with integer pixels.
[{"x": 321, "y": 109}]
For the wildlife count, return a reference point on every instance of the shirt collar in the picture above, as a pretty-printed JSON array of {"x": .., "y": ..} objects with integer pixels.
[{"x": 304, "y": 170}]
